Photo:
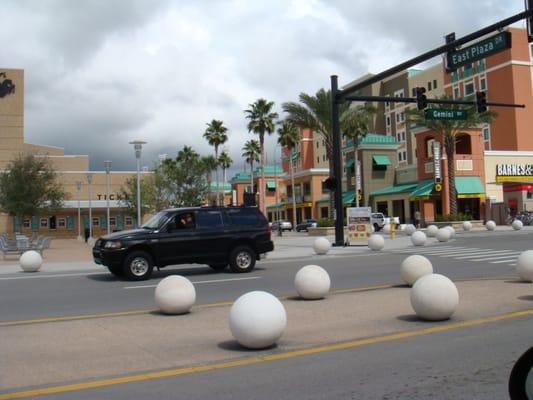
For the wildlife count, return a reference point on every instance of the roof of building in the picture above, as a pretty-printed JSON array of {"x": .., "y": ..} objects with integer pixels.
[
  {"x": 374, "y": 139},
  {"x": 270, "y": 170}
]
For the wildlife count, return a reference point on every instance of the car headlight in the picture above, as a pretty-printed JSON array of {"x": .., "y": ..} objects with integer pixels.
[{"x": 113, "y": 245}]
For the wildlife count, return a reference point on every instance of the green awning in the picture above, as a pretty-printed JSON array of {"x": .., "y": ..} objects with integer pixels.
[
  {"x": 423, "y": 189},
  {"x": 271, "y": 184},
  {"x": 347, "y": 198},
  {"x": 381, "y": 159},
  {"x": 469, "y": 186},
  {"x": 349, "y": 163},
  {"x": 396, "y": 189}
]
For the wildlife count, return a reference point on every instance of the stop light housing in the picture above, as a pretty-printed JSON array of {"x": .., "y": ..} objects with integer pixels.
[
  {"x": 330, "y": 183},
  {"x": 481, "y": 102},
  {"x": 421, "y": 99}
]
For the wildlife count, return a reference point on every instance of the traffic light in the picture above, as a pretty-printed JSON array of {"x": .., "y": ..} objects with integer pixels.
[
  {"x": 481, "y": 102},
  {"x": 421, "y": 99},
  {"x": 330, "y": 183}
]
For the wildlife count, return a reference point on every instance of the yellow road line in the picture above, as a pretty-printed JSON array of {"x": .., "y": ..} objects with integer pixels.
[
  {"x": 266, "y": 358},
  {"x": 208, "y": 305}
]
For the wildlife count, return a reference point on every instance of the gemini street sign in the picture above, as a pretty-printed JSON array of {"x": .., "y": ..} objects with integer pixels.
[
  {"x": 442, "y": 113},
  {"x": 479, "y": 50}
]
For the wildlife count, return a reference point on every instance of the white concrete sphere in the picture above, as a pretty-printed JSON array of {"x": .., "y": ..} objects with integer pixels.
[
  {"x": 386, "y": 228},
  {"x": 434, "y": 297},
  {"x": 312, "y": 282},
  {"x": 517, "y": 225},
  {"x": 432, "y": 230},
  {"x": 376, "y": 242},
  {"x": 321, "y": 245},
  {"x": 409, "y": 229},
  {"x": 415, "y": 267},
  {"x": 30, "y": 261},
  {"x": 467, "y": 225},
  {"x": 418, "y": 238},
  {"x": 257, "y": 319},
  {"x": 443, "y": 235},
  {"x": 175, "y": 295},
  {"x": 490, "y": 225},
  {"x": 524, "y": 265},
  {"x": 452, "y": 231}
]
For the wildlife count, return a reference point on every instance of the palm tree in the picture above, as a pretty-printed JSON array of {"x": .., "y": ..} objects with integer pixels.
[
  {"x": 289, "y": 137},
  {"x": 209, "y": 164},
  {"x": 355, "y": 122},
  {"x": 215, "y": 134},
  {"x": 225, "y": 161},
  {"x": 314, "y": 112},
  {"x": 448, "y": 130},
  {"x": 261, "y": 121},
  {"x": 250, "y": 152},
  {"x": 187, "y": 154}
]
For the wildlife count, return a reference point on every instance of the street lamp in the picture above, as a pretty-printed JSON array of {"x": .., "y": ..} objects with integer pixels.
[
  {"x": 89, "y": 181},
  {"x": 137, "y": 145},
  {"x": 107, "y": 165},
  {"x": 78, "y": 188}
]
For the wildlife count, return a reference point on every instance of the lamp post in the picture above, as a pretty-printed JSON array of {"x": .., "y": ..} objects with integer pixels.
[
  {"x": 89, "y": 181},
  {"x": 137, "y": 145},
  {"x": 78, "y": 189},
  {"x": 107, "y": 165}
]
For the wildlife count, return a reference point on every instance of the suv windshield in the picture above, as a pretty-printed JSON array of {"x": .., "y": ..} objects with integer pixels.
[{"x": 156, "y": 221}]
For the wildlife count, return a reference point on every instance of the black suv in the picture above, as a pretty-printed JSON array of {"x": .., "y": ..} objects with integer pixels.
[{"x": 216, "y": 236}]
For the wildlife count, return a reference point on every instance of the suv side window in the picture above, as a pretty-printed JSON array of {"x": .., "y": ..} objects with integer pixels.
[
  {"x": 181, "y": 221},
  {"x": 244, "y": 216},
  {"x": 209, "y": 219}
]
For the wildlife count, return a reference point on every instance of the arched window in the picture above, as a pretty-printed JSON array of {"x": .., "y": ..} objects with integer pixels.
[{"x": 463, "y": 144}]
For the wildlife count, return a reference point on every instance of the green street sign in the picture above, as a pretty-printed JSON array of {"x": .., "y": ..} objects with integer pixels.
[
  {"x": 479, "y": 50},
  {"x": 442, "y": 113}
]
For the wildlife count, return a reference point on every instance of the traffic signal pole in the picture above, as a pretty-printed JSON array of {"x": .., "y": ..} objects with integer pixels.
[
  {"x": 340, "y": 96},
  {"x": 337, "y": 163}
]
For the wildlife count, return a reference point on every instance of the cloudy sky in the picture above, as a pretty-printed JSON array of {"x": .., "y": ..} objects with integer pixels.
[{"x": 100, "y": 73}]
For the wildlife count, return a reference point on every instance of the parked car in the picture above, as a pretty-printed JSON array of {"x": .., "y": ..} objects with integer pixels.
[
  {"x": 216, "y": 236},
  {"x": 308, "y": 223},
  {"x": 378, "y": 221},
  {"x": 285, "y": 225}
]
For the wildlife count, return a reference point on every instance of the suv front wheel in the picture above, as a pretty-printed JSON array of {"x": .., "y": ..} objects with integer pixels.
[
  {"x": 138, "y": 266},
  {"x": 242, "y": 259}
]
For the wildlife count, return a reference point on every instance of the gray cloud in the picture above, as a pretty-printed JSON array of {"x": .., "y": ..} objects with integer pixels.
[{"x": 100, "y": 73}]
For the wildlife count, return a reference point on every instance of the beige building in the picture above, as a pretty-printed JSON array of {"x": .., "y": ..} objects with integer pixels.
[{"x": 72, "y": 170}]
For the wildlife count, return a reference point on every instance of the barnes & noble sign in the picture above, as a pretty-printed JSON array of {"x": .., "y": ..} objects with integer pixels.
[{"x": 513, "y": 172}]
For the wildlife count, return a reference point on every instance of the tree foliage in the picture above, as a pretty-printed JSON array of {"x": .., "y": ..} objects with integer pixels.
[{"x": 30, "y": 185}]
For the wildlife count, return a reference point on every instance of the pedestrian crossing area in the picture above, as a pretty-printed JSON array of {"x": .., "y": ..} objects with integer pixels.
[{"x": 474, "y": 254}]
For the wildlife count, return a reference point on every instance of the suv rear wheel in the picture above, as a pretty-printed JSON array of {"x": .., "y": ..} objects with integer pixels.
[
  {"x": 242, "y": 259},
  {"x": 138, "y": 266}
]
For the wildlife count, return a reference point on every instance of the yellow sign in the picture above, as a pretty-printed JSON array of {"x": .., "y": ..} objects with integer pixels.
[
  {"x": 438, "y": 187},
  {"x": 359, "y": 197}
]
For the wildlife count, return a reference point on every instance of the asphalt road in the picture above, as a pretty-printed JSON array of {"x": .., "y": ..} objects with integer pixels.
[
  {"x": 24, "y": 297},
  {"x": 465, "y": 363}
]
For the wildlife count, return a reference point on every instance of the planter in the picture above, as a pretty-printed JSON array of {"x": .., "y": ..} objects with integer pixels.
[
  {"x": 457, "y": 225},
  {"x": 327, "y": 231}
]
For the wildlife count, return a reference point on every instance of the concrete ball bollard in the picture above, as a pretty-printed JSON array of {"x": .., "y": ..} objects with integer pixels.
[
  {"x": 467, "y": 226},
  {"x": 175, "y": 295},
  {"x": 490, "y": 225},
  {"x": 452, "y": 231},
  {"x": 434, "y": 297},
  {"x": 376, "y": 242},
  {"x": 517, "y": 225},
  {"x": 443, "y": 235},
  {"x": 257, "y": 320},
  {"x": 409, "y": 229},
  {"x": 386, "y": 228},
  {"x": 415, "y": 267},
  {"x": 432, "y": 230},
  {"x": 312, "y": 282},
  {"x": 321, "y": 245},
  {"x": 418, "y": 238},
  {"x": 30, "y": 261},
  {"x": 524, "y": 265}
]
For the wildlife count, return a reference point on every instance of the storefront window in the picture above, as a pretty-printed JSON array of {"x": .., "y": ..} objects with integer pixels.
[
  {"x": 128, "y": 221},
  {"x": 44, "y": 222},
  {"x": 26, "y": 223},
  {"x": 61, "y": 222}
]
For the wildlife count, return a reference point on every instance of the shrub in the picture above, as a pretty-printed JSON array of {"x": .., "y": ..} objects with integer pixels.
[
  {"x": 325, "y": 222},
  {"x": 452, "y": 217}
]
